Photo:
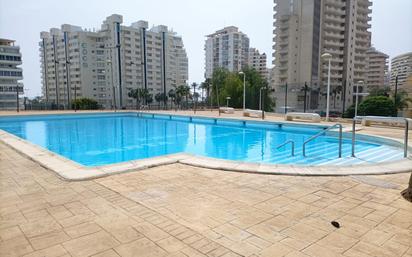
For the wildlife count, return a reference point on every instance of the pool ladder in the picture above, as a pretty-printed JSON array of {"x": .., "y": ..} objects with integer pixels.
[
  {"x": 313, "y": 138},
  {"x": 337, "y": 125},
  {"x": 286, "y": 143}
]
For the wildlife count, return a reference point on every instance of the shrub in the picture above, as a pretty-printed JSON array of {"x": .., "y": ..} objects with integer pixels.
[
  {"x": 85, "y": 104},
  {"x": 373, "y": 106}
]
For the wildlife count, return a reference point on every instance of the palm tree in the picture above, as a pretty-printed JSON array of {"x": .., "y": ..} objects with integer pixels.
[
  {"x": 206, "y": 86},
  {"x": 172, "y": 95},
  {"x": 182, "y": 91},
  {"x": 161, "y": 97},
  {"x": 407, "y": 193}
]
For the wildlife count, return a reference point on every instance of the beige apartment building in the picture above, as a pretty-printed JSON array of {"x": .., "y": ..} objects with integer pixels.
[
  {"x": 10, "y": 75},
  {"x": 376, "y": 69},
  {"x": 258, "y": 61},
  {"x": 306, "y": 29},
  {"x": 401, "y": 69},
  {"x": 106, "y": 64}
]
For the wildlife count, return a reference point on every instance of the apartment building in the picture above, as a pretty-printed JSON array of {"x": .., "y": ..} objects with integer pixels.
[
  {"x": 10, "y": 75},
  {"x": 106, "y": 64},
  {"x": 257, "y": 61},
  {"x": 376, "y": 69},
  {"x": 306, "y": 29},
  {"x": 401, "y": 69},
  {"x": 227, "y": 48}
]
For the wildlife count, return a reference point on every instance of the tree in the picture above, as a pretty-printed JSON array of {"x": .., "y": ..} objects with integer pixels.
[
  {"x": 230, "y": 84},
  {"x": 85, "y": 104},
  {"x": 374, "y": 106},
  {"x": 407, "y": 193},
  {"x": 140, "y": 94},
  {"x": 182, "y": 91},
  {"x": 379, "y": 92},
  {"x": 402, "y": 100},
  {"x": 161, "y": 98},
  {"x": 206, "y": 86}
]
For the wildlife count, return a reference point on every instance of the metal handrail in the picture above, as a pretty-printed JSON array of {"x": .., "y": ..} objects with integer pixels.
[
  {"x": 323, "y": 132},
  {"x": 288, "y": 142},
  {"x": 380, "y": 118}
]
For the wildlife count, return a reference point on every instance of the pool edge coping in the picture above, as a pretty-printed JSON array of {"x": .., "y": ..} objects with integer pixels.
[{"x": 72, "y": 171}]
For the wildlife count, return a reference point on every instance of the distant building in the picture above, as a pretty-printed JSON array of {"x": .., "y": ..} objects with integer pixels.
[
  {"x": 376, "y": 69},
  {"x": 257, "y": 61},
  {"x": 401, "y": 68},
  {"x": 306, "y": 29},
  {"x": 227, "y": 48},
  {"x": 108, "y": 63},
  {"x": 10, "y": 74}
]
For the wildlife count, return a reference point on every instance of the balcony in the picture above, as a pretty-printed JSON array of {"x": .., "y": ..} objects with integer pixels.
[
  {"x": 336, "y": 11},
  {"x": 334, "y": 18},
  {"x": 334, "y": 36}
]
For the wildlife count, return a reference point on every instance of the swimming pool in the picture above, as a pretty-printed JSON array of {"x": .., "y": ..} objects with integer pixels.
[{"x": 109, "y": 138}]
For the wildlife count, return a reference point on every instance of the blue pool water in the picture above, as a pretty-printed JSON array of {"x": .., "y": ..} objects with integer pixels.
[{"x": 100, "y": 139}]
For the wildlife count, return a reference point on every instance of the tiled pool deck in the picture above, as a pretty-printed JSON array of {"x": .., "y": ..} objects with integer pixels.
[{"x": 179, "y": 210}]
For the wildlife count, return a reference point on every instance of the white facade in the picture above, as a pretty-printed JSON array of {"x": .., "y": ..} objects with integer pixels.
[
  {"x": 227, "y": 48},
  {"x": 10, "y": 75},
  {"x": 376, "y": 69},
  {"x": 401, "y": 67},
  {"x": 303, "y": 31},
  {"x": 258, "y": 61},
  {"x": 106, "y": 64}
]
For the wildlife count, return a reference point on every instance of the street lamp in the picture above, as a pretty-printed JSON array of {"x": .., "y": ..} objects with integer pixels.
[
  {"x": 227, "y": 101},
  {"x": 396, "y": 91},
  {"x": 260, "y": 97},
  {"x": 109, "y": 62},
  {"x": 327, "y": 57},
  {"x": 244, "y": 89},
  {"x": 357, "y": 94}
]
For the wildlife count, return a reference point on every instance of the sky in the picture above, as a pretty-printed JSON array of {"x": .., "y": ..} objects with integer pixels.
[{"x": 23, "y": 20}]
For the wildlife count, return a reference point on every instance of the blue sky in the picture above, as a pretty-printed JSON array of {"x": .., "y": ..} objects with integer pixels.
[{"x": 22, "y": 20}]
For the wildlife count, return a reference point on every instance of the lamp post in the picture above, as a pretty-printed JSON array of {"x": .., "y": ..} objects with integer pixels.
[
  {"x": 260, "y": 97},
  {"x": 286, "y": 98},
  {"x": 17, "y": 98},
  {"x": 357, "y": 96},
  {"x": 227, "y": 101},
  {"x": 327, "y": 57},
  {"x": 244, "y": 89},
  {"x": 109, "y": 61},
  {"x": 396, "y": 91}
]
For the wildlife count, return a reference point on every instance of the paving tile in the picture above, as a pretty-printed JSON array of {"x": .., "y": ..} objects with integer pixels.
[
  {"x": 142, "y": 248},
  {"x": 17, "y": 246},
  {"x": 54, "y": 251},
  {"x": 90, "y": 244},
  {"x": 178, "y": 211},
  {"x": 49, "y": 239},
  {"x": 171, "y": 244},
  {"x": 108, "y": 253},
  {"x": 82, "y": 229},
  {"x": 277, "y": 249},
  {"x": 337, "y": 242}
]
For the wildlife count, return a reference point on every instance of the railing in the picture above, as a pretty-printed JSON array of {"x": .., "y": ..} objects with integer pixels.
[
  {"x": 288, "y": 142},
  {"x": 378, "y": 119},
  {"x": 323, "y": 132}
]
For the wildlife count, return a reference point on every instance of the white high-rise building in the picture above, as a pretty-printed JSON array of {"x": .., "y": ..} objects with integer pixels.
[
  {"x": 306, "y": 29},
  {"x": 227, "y": 48},
  {"x": 257, "y": 61},
  {"x": 10, "y": 75},
  {"x": 401, "y": 69},
  {"x": 376, "y": 69},
  {"x": 106, "y": 64}
]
